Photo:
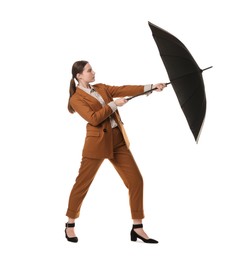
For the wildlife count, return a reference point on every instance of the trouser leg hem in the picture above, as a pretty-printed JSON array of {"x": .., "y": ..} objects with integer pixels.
[
  {"x": 137, "y": 214},
  {"x": 72, "y": 214}
]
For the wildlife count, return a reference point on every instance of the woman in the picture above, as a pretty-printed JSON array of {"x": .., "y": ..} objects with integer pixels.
[{"x": 104, "y": 139}]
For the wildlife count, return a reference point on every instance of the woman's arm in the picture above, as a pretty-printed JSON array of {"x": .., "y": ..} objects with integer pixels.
[
  {"x": 85, "y": 111},
  {"x": 126, "y": 90}
]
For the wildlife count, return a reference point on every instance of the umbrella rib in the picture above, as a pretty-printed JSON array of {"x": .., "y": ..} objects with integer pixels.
[
  {"x": 195, "y": 90},
  {"x": 195, "y": 120},
  {"x": 183, "y": 58},
  {"x": 176, "y": 41}
]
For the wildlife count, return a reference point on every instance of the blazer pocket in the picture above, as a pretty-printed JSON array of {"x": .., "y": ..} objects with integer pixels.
[{"x": 92, "y": 133}]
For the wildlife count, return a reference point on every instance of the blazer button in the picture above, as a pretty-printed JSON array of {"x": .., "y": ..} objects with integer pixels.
[{"x": 105, "y": 130}]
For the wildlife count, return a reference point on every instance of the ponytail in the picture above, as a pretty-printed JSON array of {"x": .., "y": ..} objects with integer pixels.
[
  {"x": 77, "y": 67},
  {"x": 72, "y": 91}
]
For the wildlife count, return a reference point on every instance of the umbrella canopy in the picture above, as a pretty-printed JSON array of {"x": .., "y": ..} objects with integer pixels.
[{"x": 185, "y": 77}]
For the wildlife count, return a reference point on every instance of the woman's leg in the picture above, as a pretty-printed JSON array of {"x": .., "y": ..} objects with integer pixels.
[
  {"x": 87, "y": 172},
  {"x": 128, "y": 170}
]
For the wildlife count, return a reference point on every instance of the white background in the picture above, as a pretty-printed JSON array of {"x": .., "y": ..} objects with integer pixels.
[{"x": 41, "y": 143}]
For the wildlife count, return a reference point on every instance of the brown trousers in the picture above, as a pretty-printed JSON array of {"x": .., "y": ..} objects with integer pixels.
[{"x": 127, "y": 168}]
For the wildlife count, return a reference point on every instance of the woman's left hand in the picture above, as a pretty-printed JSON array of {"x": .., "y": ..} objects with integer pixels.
[
  {"x": 120, "y": 102},
  {"x": 159, "y": 86}
]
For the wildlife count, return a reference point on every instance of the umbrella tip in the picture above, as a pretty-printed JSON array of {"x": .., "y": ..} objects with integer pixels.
[{"x": 206, "y": 68}]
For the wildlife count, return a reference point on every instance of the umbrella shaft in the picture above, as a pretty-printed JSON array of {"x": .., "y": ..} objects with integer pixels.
[
  {"x": 188, "y": 75},
  {"x": 149, "y": 91}
]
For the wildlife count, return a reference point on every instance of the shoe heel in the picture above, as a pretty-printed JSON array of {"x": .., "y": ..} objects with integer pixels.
[{"x": 133, "y": 236}]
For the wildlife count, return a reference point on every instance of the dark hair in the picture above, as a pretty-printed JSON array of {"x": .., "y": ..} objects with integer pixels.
[{"x": 77, "y": 67}]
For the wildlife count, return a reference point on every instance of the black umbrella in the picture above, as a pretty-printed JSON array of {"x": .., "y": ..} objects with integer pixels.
[{"x": 185, "y": 77}]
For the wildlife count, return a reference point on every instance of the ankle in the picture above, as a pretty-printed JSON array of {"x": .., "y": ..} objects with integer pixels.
[
  {"x": 137, "y": 221},
  {"x": 70, "y": 225},
  {"x": 137, "y": 226}
]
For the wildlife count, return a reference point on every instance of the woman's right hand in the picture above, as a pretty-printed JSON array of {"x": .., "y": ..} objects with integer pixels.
[
  {"x": 120, "y": 102},
  {"x": 159, "y": 86}
]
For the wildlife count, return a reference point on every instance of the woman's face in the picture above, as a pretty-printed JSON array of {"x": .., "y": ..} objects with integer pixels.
[{"x": 88, "y": 75}]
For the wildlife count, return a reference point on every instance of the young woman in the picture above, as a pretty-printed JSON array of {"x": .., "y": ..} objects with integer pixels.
[{"x": 105, "y": 138}]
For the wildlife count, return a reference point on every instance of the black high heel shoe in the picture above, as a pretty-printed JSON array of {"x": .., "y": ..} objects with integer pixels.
[
  {"x": 71, "y": 239},
  {"x": 134, "y": 235}
]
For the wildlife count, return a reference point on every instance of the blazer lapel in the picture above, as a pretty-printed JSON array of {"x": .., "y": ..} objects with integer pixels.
[
  {"x": 88, "y": 97},
  {"x": 107, "y": 98}
]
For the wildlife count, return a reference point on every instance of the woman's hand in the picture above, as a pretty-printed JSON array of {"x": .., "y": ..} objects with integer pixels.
[
  {"x": 159, "y": 86},
  {"x": 120, "y": 102}
]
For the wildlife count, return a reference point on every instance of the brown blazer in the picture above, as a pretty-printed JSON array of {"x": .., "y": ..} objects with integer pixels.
[{"x": 98, "y": 141}]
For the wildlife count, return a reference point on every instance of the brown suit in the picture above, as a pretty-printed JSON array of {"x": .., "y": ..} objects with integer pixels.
[{"x": 104, "y": 142}]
